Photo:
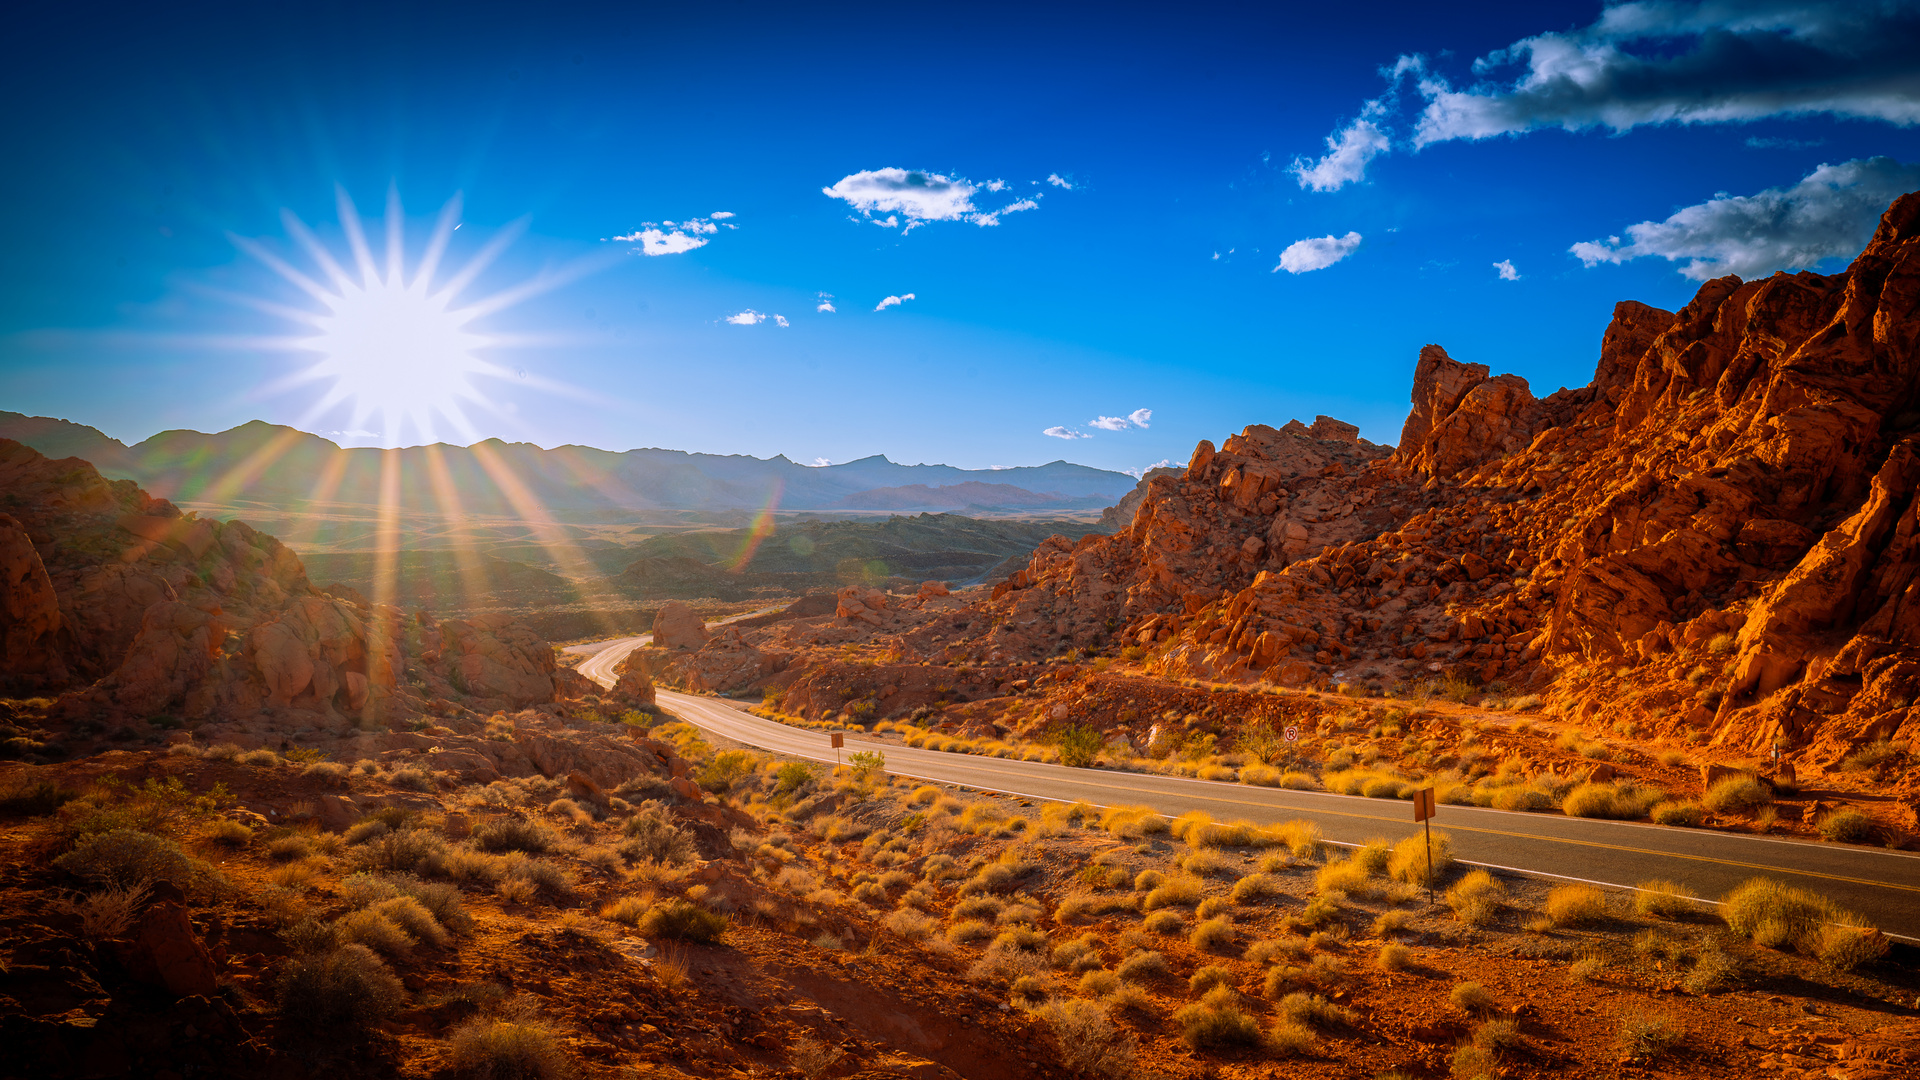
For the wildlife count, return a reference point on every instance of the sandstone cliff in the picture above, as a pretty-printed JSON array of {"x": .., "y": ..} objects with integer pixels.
[
  {"x": 1718, "y": 534},
  {"x": 130, "y": 609}
]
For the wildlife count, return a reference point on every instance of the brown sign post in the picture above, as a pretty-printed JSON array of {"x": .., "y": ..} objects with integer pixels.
[
  {"x": 836, "y": 740},
  {"x": 1423, "y": 805}
]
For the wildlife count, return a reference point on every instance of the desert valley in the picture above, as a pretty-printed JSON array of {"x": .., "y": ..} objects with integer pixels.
[{"x": 296, "y": 789}]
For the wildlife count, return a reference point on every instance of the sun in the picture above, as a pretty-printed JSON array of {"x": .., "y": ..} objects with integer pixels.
[{"x": 393, "y": 346}]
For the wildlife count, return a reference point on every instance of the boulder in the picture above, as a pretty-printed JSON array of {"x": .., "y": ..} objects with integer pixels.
[
  {"x": 30, "y": 622},
  {"x": 676, "y": 627},
  {"x": 162, "y": 949}
]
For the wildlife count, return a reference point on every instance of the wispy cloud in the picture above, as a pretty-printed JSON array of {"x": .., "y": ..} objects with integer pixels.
[
  {"x": 1649, "y": 62},
  {"x": 893, "y": 301},
  {"x": 1829, "y": 214},
  {"x": 1163, "y": 463},
  {"x": 1138, "y": 418},
  {"x": 751, "y": 317},
  {"x": 1348, "y": 153},
  {"x": 911, "y": 198},
  {"x": 721, "y": 215},
  {"x": 1759, "y": 142},
  {"x": 1060, "y": 432},
  {"x": 672, "y": 238},
  {"x": 1059, "y": 181},
  {"x": 1317, "y": 253},
  {"x": 825, "y": 306},
  {"x": 1506, "y": 271}
]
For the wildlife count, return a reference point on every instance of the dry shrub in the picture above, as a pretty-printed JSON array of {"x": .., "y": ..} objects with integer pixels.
[
  {"x": 1271, "y": 949},
  {"x": 1475, "y": 899},
  {"x": 1098, "y": 984},
  {"x": 1847, "y": 827},
  {"x": 1344, "y": 876},
  {"x": 910, "y": 924},
  {"x": 1255, "y": 887},
  {"x": 410, "y": 915},
  {"x": 374, "y": 930},
  {"x": 1289, "y": 1039},
  {"x": 1391, "y": 922},
  {"x": 1394, "y": 957},
  {"x": 1645, "y": 1038},
  {"x": 1089, "y": 1042},
  {"x": 229, "y": 832},
  {"x": 1208, "y": 861},
  {"x": 811, "y": 1057},
  {"x": 1216, "y": 1020},
  {"x": 1316, "y": 1011},
  {"x": 1575, "y": 905},
  {"x": 1685, "y": 814},
  {"x": 126, "y": 859},
  {"x": 1208, "y": 977},
  {"x": 407, "y": 850},
  {"x": 1410, "y": 859},
  {"x": 514, "y": 834},
  {"x": 1607, "y": 800},
  {"x": 1471, "y": 997},
  {"x": 684, "y": 921},
  {"x": 627, "y": 909},
  {"x": 650, "y": 837},
  {"x": 1133, "y": 822},
  {"x": 1174, "y": 892},
  {"x": 108, "y": 912},
  {"x": 346, "y": 987},
  {"x": 508, "y": 1049},
  {"x": 1163, "y": 922},
  {"x": 1664, "y": 900},
  {"x": 1470, "y": 1062},
  {"x": 1737, "y": 795},
  {"x": 1022, "y": 938},
  {"x": 967, "y": 931},
  {"x": 1212, "y": 934},
  {"x": 1142, "y": 966}
]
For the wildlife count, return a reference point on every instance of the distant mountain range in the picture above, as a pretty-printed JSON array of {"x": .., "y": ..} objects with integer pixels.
[{"x": 270, "y": 463}]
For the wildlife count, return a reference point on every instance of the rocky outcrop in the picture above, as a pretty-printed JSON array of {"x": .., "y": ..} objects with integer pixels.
[
  {"x": 676, "y": 627},
  {"x": 1120, "y": 514},
  {"x": 31, "y": 638},
  {"x": 728, "y": 661},
  {"x": 1716, "y": 535},
  {"x": 862, "y": 603},
  {"x": 138, "y": 610},
  {"x": 633, "y": 688}
]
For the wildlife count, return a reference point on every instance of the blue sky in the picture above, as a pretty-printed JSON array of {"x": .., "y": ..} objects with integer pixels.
[{"x": 1202, "y": 254}]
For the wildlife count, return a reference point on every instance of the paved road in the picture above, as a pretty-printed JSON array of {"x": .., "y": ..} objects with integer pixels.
[{"x": 1880, "y": 884}]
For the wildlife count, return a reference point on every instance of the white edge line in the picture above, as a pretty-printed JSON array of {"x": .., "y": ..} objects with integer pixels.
[{"x": 1336, "y": 843}]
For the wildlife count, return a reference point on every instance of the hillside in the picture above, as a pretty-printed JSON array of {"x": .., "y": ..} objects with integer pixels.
[{"x": 280, "y": 466}]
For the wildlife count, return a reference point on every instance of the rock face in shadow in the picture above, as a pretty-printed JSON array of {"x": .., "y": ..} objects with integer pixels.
[
  {"x": 1717, "y": 535},
  {"x": 136, "y": 610}
]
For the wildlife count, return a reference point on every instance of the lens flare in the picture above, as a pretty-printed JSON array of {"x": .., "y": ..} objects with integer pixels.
[{"x": 393, "y": 345}]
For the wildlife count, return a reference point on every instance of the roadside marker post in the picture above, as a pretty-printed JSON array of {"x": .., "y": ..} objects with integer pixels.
[
  {"x": 1423, "y": 811},
  {"x": 837, "y": 740}
]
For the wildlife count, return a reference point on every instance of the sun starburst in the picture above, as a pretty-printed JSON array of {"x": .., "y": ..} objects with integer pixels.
[{"x": 393, "y": 345}]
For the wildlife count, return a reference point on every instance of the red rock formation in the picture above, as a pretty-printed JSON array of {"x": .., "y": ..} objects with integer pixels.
[
  {"x": 677, "y": 627},
  {"x": 138, "y": 610},
  {"x": 1738, "y": 479}
]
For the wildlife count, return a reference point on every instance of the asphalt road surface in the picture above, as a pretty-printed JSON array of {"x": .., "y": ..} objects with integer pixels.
[{"x": 1882, "y": 885}]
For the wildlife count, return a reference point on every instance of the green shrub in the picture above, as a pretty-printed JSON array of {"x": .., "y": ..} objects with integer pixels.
[
  {"x": 1079, "y": 746},
  {"x": 125, "y": 859},
  {"x": 333, "y": 988},
  {"x": 683, "y": 920}
]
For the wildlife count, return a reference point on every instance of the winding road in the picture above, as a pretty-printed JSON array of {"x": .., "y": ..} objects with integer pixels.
[{"x": 1882, "y": 885}]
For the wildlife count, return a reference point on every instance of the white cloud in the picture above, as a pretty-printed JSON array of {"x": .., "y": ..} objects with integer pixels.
[
  {"x": 893, "y": 301},
  {"x": 1163, "y": 463},
  {"x": 1507, "y": 272},
  {"x": 911, "y": 198},
  {"x": 1345, "y": 161},
  {"x": 1759, "y": 142},
  {"x": 825, "y": 307},
  {"x": 671, "y": 238},
  {"x": 751, "y": 317},
  {"x": 1831, "y": 213},
  {"x": 1109, "y": 423},
  {"x": 1652, "y": 62},
  {"x": 721, "y": 215},
  {"x": 1011, "y": 208},
  {"x": 1140, "y": 417},
  {"x": 920, "y": 197},
  {"x": 1059, "y": 181},
  {"x": 821, "y": 463},
  {"x": 1065, "y": 433},
  {"x": 1317, "y": 253}
]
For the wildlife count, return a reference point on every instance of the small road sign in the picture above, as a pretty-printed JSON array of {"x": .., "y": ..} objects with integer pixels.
[
  {"x": 838, "y": 740},
  {"x": 1293, "y": 733},
  {"x": 1423, "y": 804}
]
